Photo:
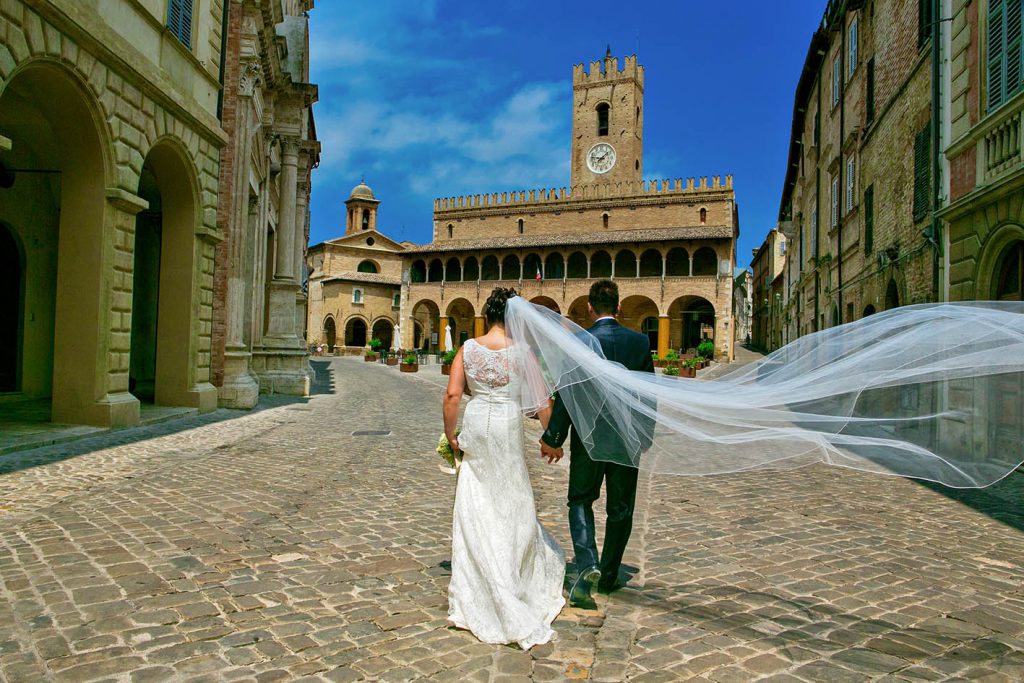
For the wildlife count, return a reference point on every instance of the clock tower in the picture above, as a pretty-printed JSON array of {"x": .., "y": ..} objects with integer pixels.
[{"x": 607, "y": 122}]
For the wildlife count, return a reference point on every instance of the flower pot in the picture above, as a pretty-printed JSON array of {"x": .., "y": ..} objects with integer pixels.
[
  {"x": 659, "y": 363},
  {"x": 409, "y": 367},
  {"x": 446, "y": 369},
  {"x": 370, "y": 358},
  {"x": 688, "y": 372},
  {"x": 392, "y": 361}
]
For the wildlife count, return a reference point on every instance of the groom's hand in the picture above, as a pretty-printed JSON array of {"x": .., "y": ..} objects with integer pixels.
[{"x": 552, "y": 454}]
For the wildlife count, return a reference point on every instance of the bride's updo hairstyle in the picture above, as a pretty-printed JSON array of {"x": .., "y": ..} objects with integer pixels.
[{"x": 494, "y": 308}]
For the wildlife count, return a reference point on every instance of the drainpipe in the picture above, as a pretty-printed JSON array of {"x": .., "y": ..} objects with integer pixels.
[
  {"x": 934, "y": 232},
  {"x": 223, "y": 57},
  {"x": 842, "y": 166}
]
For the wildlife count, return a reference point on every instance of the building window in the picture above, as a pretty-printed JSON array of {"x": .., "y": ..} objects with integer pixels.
[
  {"x": 520, "y": 224},
  {"x": 604, "y": 220},
  {"x": 869, "y": 96},
  {"x": 396, "y": 301},
  {"x": 366, "y": 219},
  {"x": 1003, "y": 66},
  {"x": 817, "y": 129},
  {"x": 852, "y": 66},
  {"x": 924, "y": 20},
  {"x": 179, "y": 21},
  {"x": 703, "y": 216},
  {"x": 357, "y": 296},
  {"x": 451, "y": 230},
  {"x": 367, "y": 267},
  {"x": 834, "y": 217},
  {"x": 602, "y": 119},
  {"x": 1010, "y": 276},
  {"x": 922, "y": 175},
  {"x": 837, "y": 78},
  {"x": 800, "y": 252},
  {"x": 851, "y": 167},
  {"x": 869, "y": 219},
  {"x": 814, "y": 232}
]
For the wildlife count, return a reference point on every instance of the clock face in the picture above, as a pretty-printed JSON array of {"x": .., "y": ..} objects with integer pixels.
[{"x": 601, "y": 158}]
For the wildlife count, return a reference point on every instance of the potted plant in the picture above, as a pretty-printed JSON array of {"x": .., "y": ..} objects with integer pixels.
[
  {"x": 659, "y": 362},
  {"x": 446, "y": 361},
  {"x": 370, "y": 355},
  {"x": 689, "y": 368},
  {"x": 706, "y": 349},
  {"x": 391, "y": 358},
  {"x": 672, "y": 371},
  {"x": 409, "y": 363},
  {"x": 671, "y": 357}
]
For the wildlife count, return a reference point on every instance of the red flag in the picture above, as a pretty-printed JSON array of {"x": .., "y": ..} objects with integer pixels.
[{"x": 538, "y": 275}]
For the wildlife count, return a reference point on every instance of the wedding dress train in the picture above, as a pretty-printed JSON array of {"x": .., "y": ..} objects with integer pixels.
[{"x": 507, "y": 571}]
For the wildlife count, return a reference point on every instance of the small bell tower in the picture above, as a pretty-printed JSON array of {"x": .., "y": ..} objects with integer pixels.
[{"x": 362, "y": 209}]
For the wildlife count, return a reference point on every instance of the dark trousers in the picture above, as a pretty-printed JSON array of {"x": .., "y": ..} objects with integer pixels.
[{"x": 585, "y": 479}]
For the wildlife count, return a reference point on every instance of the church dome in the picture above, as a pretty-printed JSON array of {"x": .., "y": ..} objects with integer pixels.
[{"x": 362, "y": 191}]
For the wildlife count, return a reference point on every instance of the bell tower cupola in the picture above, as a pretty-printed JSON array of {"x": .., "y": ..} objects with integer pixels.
[{"x": 362, "y": 209}]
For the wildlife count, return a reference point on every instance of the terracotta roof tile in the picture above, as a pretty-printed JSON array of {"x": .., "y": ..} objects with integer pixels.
[{"x": 375, "y": 278}]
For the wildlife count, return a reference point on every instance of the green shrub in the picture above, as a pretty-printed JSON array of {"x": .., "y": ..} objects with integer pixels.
[
  {"x": 410, "y": 359},
  {"x": 449, "y": 357},
  {"x": 706, "y": 348},
  {"x": 692, "y": 362},
  {"x": 672, "y": 356},
  {"x": 672, "y": 370},
  {"x": 369, "y": 353},
  {"x": 376, "y": 344}
]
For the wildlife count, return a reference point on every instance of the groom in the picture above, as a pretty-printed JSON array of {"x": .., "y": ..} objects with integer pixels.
[{"x": 586, "y": 475}]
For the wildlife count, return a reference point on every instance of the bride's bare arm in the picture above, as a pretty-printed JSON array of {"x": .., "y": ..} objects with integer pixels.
[
  {"x": 544, "y": 415},
  {"x": 452, "y": 398}
]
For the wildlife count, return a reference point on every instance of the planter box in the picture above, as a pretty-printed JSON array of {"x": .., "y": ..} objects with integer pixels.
[
  {"x": 446, "y": 369},
  {"x": 391, "y": 361},
  {"x": 409, "y": 367},
  {"x": 688, "y": 372},
  {"x": 371, "y": 358},
  {"x": 659, "y": 363}
]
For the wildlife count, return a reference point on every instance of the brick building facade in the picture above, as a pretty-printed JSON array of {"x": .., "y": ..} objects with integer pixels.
[{"x": 670, "y": 245}]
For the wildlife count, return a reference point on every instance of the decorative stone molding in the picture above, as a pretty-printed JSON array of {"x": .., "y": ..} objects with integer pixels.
[
  {"x": 250, "y": 76},
  {"x": 126, "y": 201}
]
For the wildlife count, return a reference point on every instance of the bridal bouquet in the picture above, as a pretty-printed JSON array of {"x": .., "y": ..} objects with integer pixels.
[{"x": 448, "y": 454}]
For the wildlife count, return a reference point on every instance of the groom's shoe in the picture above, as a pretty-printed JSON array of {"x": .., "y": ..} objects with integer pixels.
[{"x": 579, "y": 594}]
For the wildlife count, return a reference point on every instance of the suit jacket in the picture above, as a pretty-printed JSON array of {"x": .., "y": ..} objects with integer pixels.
[{"x": 621, "y": 345}]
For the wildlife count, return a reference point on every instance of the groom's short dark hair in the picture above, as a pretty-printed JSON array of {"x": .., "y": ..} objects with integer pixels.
[{"x": 604, "y": 297}]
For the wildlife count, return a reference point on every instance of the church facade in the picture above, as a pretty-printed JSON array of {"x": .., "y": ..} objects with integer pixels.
[{"x": 670, "y": 245}]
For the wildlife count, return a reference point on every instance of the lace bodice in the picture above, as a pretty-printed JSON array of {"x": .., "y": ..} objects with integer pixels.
[{"x": 487, "y": 369}]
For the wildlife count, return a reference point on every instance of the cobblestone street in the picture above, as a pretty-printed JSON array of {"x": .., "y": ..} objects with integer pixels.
[{"x": 281, "y": 545}]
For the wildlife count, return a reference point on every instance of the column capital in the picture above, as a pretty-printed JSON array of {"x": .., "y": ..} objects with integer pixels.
[
  {"x": 290, "y": 146},
  {"x": 250, "y": 75}
]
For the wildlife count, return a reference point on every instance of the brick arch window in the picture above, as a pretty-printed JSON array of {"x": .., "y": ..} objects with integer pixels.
[
  {"x": 519, "y": 224},
  {"x": 604, "y": 220},
  {"x": 602, "y": 119},
  {"x": 703, "y": 216},
  {"x": 451, "y": 230}
]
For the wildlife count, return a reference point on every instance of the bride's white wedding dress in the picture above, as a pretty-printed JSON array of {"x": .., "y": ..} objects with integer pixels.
[{"x": 507, "y": 571}]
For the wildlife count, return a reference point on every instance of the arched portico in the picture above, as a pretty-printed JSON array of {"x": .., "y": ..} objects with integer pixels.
[
  {"x": 691, "y": 320},
  {"x": 460, "y": 318}
]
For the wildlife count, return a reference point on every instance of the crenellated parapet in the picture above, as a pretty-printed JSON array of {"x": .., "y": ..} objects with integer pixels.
[
  {"x": 554, "y": 196},
  {"x": 607, "y": 70}
]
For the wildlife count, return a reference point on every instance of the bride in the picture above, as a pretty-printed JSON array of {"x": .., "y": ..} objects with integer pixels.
[
  {"x": 507, "y": 571},
  {"x": 930, "y": 391}
]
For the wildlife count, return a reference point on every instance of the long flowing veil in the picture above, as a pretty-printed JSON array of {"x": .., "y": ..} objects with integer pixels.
[{"x": 930, "y": 391}]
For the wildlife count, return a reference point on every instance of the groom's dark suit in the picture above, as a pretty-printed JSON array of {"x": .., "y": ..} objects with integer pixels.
[{"x": 632, "y": 350}]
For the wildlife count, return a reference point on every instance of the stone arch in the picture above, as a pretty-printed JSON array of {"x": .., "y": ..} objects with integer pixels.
[
  {"x": 677, "y": 262},
  {"x": 994, "y": 250},
  {"x": 650, "y": 263},
  {"x": 56, "y": 121},
  {"x": 356, "y": 331},
  {"x": 546, "y": 302},
  {"x": 576, "y": 266},
  {"x": 12, "y": 308},
  {"x": 892, "y": 294},
  {"x": 489, "y": 268},
  {"x": 368, "y": 266},
  {"x": 532, "y": 265},
  {"x": 418, "y": 271},
  {"x": 1008, "y": 284},
  {"x": 625, "y": 264},
  {"x": 435, "y": 271},
  {"x": 471, "y": 269},
  {"x": 554, "y": 266},
  {"x": 691, "y": 318},
  {"x": 165, "y": 290},
  {"x": 600, "y": 264},
  {"x": 705, "y": 261},
  {"x": 635, "y": 311},
  {"x": 510, "y": 267},
  {"x": 577, "y": 311},
  {"x": 426, "y": 313},
  {"x": 453, "y": 270},
  {"x": 330, "y": 333},
  {"x": 868, "y": 310},
  {"x": 383, "y": 329},
  {"x": 461, "y": 318}
]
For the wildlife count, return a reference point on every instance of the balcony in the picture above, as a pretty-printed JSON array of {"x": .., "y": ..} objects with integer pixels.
[{"x": 999, "y": 144}]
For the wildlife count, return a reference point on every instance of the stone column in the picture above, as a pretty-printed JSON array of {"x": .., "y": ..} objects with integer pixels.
[
  {"x": 663, "y": 333},
  {"x": 478, "y": 326},
  {"x": 442, "y": 325},
  {"x": 281, "y": 326},
  {"x": 239, "y": 388},
  {"x": 691, "y": 266}
]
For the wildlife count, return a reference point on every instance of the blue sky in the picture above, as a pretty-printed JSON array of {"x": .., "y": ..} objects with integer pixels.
[{"x": 429, "y": 98}]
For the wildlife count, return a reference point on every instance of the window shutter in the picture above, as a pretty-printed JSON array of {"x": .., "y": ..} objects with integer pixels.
[
  {"x": 836, "y": 76},
  {"x": 179, "y": 20},
  {"x": 851, "y": 166},
  {"x": 870, "y": 96},
  {"x": 922, "y": 177},
  {"x": 995, "y": 50},
  {"x": 1014, "y": 65},
  {"x": 924, "y": 21},
  {"x": 853, "y": 48},
  {"x": 869, "y": 219},
  {"x": 814, "y": 231},
  {"x": 835, "y": 202}
]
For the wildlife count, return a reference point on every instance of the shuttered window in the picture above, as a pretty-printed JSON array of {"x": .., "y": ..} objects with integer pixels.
[
  {"x": 870, "y": 95},
  {"x": 924, "y": 21},
  {"x": 869, "y": 219},
  {"x": 851, "y": 167},
  {"x": 179, "y": 20},
  {"x": 922, "y": 176},
  {"x": 1003, "y": 62},
  {"x": 814, "y": 231},
  {"x": 852, "y": 66},
  {"x": 837, "y": 76},
  {"x": 835, "y": 202}
]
